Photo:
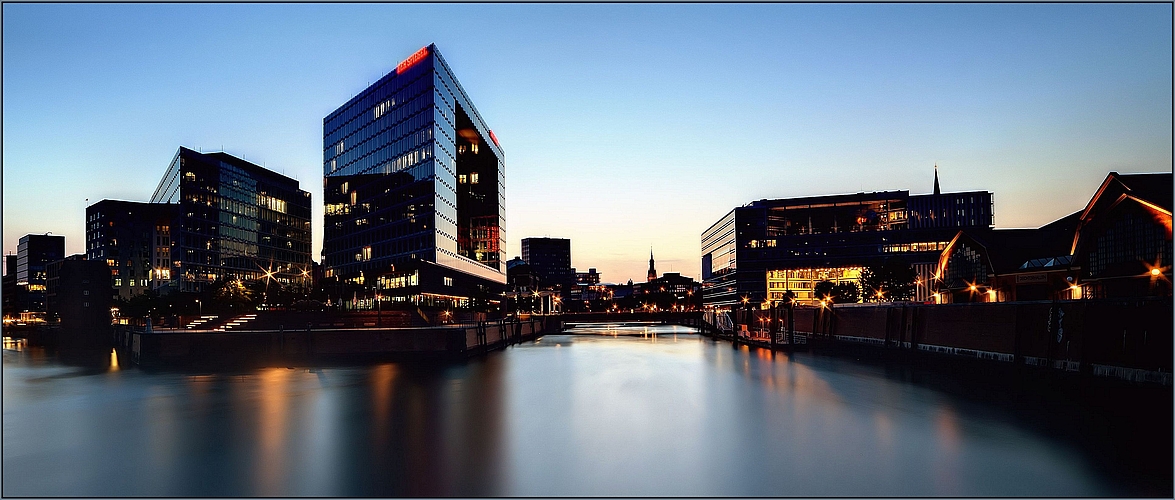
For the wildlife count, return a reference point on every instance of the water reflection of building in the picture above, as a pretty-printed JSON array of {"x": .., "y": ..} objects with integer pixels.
[
  {"x": 414, "y": 193},
  {"x": 760, "y": 251}
]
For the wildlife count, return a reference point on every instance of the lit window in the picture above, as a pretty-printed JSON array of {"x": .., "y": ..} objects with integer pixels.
[
  {"x": 448, "y": 281},
  {"x": 473, "y": 178},
  {"x": 461, "y": 179}
]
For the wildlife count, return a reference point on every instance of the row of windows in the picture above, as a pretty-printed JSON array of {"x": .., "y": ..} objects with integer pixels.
[{"x": 352, "y": 117}]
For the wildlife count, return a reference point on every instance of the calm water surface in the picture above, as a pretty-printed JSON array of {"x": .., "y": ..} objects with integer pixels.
[{"x": 627, "y": 411}]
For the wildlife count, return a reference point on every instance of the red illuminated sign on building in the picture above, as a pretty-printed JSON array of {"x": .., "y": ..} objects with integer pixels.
[
  {"x": 494, "y": 138},
  {"x": 412, "y": 59}
]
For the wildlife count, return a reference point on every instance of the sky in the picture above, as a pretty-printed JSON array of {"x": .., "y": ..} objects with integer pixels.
[{"x": 625, "y": 127}]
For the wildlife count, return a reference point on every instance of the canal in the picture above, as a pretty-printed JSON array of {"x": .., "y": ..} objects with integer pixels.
[{"x": 605, "y": 410}]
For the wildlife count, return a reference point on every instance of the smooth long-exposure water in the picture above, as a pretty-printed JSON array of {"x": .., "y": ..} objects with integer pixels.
[{"x": 628, "y": 410}]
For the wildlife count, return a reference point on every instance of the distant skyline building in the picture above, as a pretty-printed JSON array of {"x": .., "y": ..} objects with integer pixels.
[
  {"x": 34, "y": 252},
  {"x": 550, "y": 260},
  {"x": 233, "y": 220},
  {"x": 414, "y": 191},
  {"x": 762, "y": 250}
]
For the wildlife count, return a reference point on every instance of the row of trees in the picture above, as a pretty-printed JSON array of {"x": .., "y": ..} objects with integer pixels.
[
  {"x": 222, "y": 297},
  {"x": 891, "y": 280}
]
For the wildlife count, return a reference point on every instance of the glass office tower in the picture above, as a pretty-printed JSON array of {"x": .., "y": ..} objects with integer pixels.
[
  {"x": 414, "y": 192},
  {"x": 235, "y": 220}
]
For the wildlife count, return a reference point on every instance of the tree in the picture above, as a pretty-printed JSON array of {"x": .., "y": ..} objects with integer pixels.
[
  {"x": 823, "y": 289},
  {"x": 233, "y": 296},
  {"x": 887, "y": 281},
  {"x": 843, "y": 293},
  {"x": 846, "y": 293}
]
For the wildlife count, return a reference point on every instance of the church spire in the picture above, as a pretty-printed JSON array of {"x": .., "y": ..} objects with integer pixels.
[
  {"x": 936, "y": 190},
  {"x": 652, "y": 270}
]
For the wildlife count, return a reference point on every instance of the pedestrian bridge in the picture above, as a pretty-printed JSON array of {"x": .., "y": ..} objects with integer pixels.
[{"x": 684, "y": 318}]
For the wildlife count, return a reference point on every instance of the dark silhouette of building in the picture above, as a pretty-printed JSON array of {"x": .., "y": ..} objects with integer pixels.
[
  {"x": 1119, "y": 246},
  {"x": 15, "y": 296},
  {"x": 1122, "y": 244},
  {"x": 33, "y": 253},
  {"x": 78, "y": 293},
  {"x": 671, "y": 291},
  {"x": 761, "y": 251},
  {"x": 234, "y": 220},
  {"x": 550, "y": 260},
  {"x": 414, "y": 192},
  {"x": 1007, "y": 264},
  {"x": 652, "y": 269},
  {"x": 591, "y": 277},
  {"x": 134, "y": 240},
  {"x": 520, "y": 276}
]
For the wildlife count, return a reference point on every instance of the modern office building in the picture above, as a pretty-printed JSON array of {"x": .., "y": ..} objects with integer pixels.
[
  {"x": 33, "y": 253},
  {"x": 550, "y": 260},
  {"x": 15, "y": 297},
  {"x": 234, "y": 220},
  {"x": 77, "y": 292},
  {"x": 760, "y": 251},
  {"x": 134, "y": 239},
  {"x": 414, "y": 192}
]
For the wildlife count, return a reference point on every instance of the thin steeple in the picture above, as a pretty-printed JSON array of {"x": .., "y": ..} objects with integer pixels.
[
  {"x": 652, "y": 270},
  {"x": 936, "y": 190}
]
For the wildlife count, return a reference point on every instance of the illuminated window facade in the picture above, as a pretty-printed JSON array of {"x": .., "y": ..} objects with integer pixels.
[
  {"x": 802, "y": 282},
  {"x": 413, "y": 182},
  {"x": 966, "y": 209},
  {"x": 749, "y": 253},
  {"x": 134, "y": 238},
  {"x": 234, "y": 220},
  {"x": 34, "y": 252}
]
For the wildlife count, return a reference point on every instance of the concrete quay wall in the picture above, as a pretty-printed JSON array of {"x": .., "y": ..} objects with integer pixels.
[
  {"x": 174, "y": 348},
  {"x": 1129, "y": 339}
]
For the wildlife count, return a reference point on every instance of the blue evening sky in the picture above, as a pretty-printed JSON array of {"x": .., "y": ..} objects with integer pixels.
[{"x": 625, "y": 126}]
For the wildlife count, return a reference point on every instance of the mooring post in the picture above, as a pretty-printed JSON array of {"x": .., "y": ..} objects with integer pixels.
[{"x": 791, "y": 324}]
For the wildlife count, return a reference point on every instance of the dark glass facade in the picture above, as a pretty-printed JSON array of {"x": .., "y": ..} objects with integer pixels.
[
  {"x": 760, "y": 251},
  {"x": 414, "y": 191},
  {"x": 966, "y": 209},
  {"x": 134, "y": 239},
  {"x": 33, "y": 253},
  {"x": 550, "y": 260},
  {"x": 235, "y": 220}
]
